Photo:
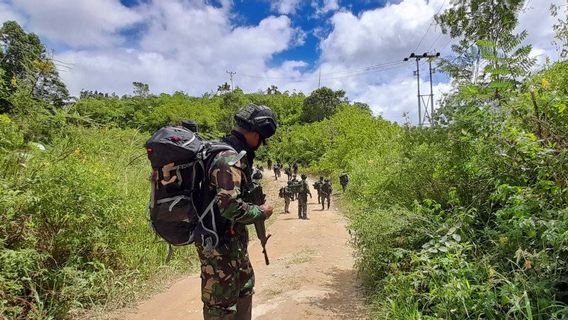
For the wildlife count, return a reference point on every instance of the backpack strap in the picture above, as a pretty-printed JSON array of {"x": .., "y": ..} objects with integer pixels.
[{"x": 205, "y": 157}]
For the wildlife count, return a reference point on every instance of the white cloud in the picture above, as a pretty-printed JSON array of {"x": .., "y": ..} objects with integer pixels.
[
  {"x": 538, "y": 22},
  {"x": 79, "y": 23},
  {"x": 285, "y": 6},
  {"x": 8, "y": 13},
  {"x": 325, "y": 6},
  {"x": 186, "y": 47}
]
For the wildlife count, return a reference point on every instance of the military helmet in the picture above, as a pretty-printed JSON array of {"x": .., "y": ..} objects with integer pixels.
[
  {"x": 304, "y": 176},
  {"x": 257, "y": 118},
  {"x": 321, "y": 178}
]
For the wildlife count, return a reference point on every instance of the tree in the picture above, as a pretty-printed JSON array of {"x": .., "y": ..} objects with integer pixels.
[
  {"x": 223, "y": 88},
  {"x": 561, "y": 28},
  {"x": 272, "y": 90},
  {"x": 488, "y": 53},
  {"x": 28, "y": 68},
  {"x": 141, "y": 90},
  {"x": 321, "y": 104}
]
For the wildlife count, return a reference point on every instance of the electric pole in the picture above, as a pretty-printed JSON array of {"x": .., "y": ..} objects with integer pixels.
[
  {"x": 231, "y": 74},
  {"x": 429, "y": 102}
]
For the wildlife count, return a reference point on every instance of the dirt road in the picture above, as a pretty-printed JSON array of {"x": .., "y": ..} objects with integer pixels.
[{"x": 310, "y": 275}]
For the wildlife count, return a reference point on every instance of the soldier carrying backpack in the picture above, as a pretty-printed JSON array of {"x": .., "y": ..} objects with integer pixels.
[{"x": 197, "y": 196}]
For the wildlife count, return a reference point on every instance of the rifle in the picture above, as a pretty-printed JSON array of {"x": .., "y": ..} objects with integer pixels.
[{"x": 255, "y": 195}]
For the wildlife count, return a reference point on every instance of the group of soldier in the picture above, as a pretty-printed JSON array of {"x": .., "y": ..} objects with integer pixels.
[
  {"x": 290, "y": 171},
  {"x": 300, "y": 190}
]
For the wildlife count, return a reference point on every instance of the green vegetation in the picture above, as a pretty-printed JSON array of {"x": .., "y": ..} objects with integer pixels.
[{"x": 465, "y": 219}]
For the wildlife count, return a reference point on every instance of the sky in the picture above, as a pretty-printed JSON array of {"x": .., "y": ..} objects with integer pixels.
[{"x": 298, "y": 45}]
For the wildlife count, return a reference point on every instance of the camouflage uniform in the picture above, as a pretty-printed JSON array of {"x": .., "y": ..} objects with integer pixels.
[
  {"x": 344, "y": 180},
  {"x": 317, "y": 186},
  {"x": 288, "y": 172},
  {"x": 303, "y": 192},
  {"x": 294, "y": 187},
  {"x": 286, "y": 193},
  {"x": 227, "y": 277},
  {"x": 326, "y": 191},
  {"x": 276, "y": 169}
]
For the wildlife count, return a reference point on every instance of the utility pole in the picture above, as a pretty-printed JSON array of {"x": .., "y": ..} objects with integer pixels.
[
  {"x": 428, "y": 114},
  {"x": 231, "y": 74}
]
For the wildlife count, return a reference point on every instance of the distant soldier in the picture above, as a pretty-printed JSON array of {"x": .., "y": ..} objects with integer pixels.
[
  {"x": 295, "y": 168},
  {"x": 256, "y": 175},
  {"x": 286, "y": 194},
  {"x": 343, "y": 180},
  {"x": 295, "y": 187},
  {"x": 303, "y": 192},
  {"x": 276, "y": 169},
  {"x": 326, "y": 190},
  {"x": 288, "y": 172},
  {"x": 269, "y": 163},
  {"x": 317, "y": 186}
]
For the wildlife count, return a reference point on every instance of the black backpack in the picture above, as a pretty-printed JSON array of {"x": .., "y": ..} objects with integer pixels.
[{"x": 179, "y": 161}]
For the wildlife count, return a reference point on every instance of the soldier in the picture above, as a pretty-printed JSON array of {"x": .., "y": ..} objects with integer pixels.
[
  {"x": 227, "y": 277},
  {"x": 295, "y": 168},
  {"x": 343, "y": 180},
  {"x": 276, "y": 169},
  {"x": 288, "y": 172},
  {"x": 295, "y": 186},
  {"x": 303, "y": 192},
  {"x": 269, "y": 163},
  {"x": 317, "y": 186},
  {"x": 326, "y": 190},
  {"x": 256, "y": 175},
  {"x": 286, "y": 194}
]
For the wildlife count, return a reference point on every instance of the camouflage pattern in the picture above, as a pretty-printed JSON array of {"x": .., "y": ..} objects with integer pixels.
[
  {"x": 317, "y": 186},
  {"x": 227, "y": 274},
  {"x": 326, "y": 191},
  {"x": 303, "y": 192},
  {"x": 276, "y": 169},
  {"x": 288, "y": 172},
  {"x": 286, "y": 194}
]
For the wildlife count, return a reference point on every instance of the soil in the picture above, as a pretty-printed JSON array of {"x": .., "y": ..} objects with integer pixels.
[{"x": 310, "y": 276}]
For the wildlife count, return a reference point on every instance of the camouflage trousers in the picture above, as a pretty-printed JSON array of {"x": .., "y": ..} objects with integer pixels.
[
  {"x": 287, "y": 205},
  {"x": 302, "y": 208},
  {"x": 325, "y": 198},
  {"x": 227, "y": 282}
]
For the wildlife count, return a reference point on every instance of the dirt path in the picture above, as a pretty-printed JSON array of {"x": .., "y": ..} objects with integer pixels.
[{"x": 310, "y": 275}]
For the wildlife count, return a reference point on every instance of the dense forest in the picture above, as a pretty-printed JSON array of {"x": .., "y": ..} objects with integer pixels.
[{"x": 466, "y": 218}]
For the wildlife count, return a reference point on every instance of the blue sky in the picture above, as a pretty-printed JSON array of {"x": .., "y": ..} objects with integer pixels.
[{"x": 189, "y": 45}]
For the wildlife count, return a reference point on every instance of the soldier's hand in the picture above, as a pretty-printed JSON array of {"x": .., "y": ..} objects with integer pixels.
[{"x": 267, "y": 210}]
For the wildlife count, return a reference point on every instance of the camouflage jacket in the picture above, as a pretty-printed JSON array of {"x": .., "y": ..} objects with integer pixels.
[{"x": 227, "y": 181}]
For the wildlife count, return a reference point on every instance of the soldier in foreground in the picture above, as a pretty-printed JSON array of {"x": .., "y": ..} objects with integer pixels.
[
  {"x": 326, "y": 191},
  {"x": 303, "y": 192},
  {"x": 227, "y": 277}
]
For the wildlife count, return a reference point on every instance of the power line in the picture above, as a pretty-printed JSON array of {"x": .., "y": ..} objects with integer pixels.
[
  {"x": 231, "y": 74},
  {"x": 314, "y": 77},
  {"x": 344, "y": 73},
  {"x": 429, "y": 26},
  {"x": 428, "y": 114}
]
